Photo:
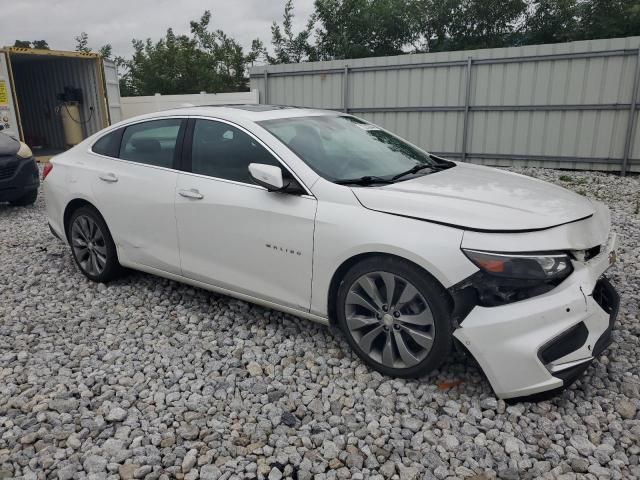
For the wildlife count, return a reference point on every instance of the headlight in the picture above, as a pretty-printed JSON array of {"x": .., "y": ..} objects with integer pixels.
[
  {"x": 508, "y": 278},
  {"x": 522, "y": 266}
]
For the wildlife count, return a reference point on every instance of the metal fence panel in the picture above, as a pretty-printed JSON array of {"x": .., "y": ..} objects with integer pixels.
[{"x": 560, "y": 105}]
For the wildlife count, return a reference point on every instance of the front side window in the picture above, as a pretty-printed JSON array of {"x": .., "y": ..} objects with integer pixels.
[
  {"x": 341, "y": 148},
  {"x": 151, "y": 143},
  {"x": 222, "y": 151}
]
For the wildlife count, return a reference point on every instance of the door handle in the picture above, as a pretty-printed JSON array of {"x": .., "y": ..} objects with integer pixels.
[
  {"x": 108, "y": 177},
  {"x": 191, "y": 193}
]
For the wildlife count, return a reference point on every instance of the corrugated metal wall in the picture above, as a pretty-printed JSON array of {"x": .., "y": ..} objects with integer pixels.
[
  {"x": 560, "y": 105},
  {"x": 38, "y": 80}
]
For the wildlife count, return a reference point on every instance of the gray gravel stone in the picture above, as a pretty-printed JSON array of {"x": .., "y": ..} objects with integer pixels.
[
  {"x": 582, "y": 445},
  {"x": 189, "y": 460},
  {"x": 626, "y": 408},
  {"x": 129, "y": 379},
  {"x": 116, "y": 414},
  {"x": 95, "y": 464}
]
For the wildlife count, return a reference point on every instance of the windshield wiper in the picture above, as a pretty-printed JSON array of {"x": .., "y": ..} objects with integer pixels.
[
  {"x": 366, "y": 180},
  {"x": 415, "y": 169}
]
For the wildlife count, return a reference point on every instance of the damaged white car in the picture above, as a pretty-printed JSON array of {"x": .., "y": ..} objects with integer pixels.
[{"x": 328, "y": 217}]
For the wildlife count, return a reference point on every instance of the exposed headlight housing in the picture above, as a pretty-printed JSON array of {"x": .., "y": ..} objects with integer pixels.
[
  {"x": 507, "y": 277},
  {"x": 522, "y": 266}
]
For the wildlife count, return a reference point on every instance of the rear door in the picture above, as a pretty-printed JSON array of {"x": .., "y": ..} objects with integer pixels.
[
  {"x": 112, "y": 90},
  {"x": 134, "y": 186},
  {"x": 235, "y": 234}
]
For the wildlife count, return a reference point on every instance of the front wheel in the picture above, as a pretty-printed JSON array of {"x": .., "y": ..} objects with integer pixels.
[
  {"x": 92, "y": 246},
  {"x": 394, "y": 316}
]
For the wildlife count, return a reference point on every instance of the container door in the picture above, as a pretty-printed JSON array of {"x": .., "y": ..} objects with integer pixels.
[
  {"x": 8, "y": 111},
  {"x": 112, "y": 87}
]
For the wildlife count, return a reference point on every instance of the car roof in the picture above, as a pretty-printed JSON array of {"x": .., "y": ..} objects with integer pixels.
[{"x": 255, "y": 112}]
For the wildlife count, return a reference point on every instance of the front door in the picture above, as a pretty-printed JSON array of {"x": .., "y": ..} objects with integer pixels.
[{"x": 234, "y": 234}]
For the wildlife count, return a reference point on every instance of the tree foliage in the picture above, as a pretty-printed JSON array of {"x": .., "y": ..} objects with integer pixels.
[
  {"x": 364, "y": 28},
  {"x": 106, "y": 51},
  {"x": 290, "y": 47},
  {"x": 207, "y": 60},
  {"x": 82, "y": 43},
  {"x": 37, "y": 44},
  {"x": 456, "y": 25}
]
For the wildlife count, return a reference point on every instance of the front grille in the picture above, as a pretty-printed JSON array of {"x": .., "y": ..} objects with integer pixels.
[{"x": 8, "y": 171}]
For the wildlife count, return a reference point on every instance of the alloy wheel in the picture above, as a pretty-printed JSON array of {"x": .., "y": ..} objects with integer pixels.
[
  {"x": 89, "y": 246},
  {"x": 389, "y": 319}
]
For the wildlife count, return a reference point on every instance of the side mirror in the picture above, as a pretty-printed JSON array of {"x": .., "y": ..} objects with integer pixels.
[{"x": 267, "y": 176}]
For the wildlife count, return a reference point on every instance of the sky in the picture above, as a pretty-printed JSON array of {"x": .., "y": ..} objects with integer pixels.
[{"x": 118, "y": 21}]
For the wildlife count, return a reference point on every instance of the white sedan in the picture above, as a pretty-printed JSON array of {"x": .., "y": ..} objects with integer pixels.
[{"x": 330, "y": 218}]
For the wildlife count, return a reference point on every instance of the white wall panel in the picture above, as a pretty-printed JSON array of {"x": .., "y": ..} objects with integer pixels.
[{"x": 133, "y": 106}]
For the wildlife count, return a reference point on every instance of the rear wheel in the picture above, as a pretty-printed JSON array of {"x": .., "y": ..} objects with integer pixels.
[
  {"x": 92, "y": 246},
  {"x": 28, "y": 198},
  {"x": 394, "y": 316}
]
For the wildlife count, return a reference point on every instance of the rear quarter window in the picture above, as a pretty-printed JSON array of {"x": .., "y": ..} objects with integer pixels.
[
  {"x": 109, "y": 145},
  {"x": 151, "y": 143}
]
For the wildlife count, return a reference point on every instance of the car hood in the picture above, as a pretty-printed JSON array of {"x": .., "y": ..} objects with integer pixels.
[{"x": 479, "y": 198}]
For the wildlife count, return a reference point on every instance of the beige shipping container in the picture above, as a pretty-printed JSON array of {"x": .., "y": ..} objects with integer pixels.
[{"x": 31, "y": 104}]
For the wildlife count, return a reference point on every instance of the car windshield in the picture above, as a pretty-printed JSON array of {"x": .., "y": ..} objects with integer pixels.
[{"x": 345, "y": 149}]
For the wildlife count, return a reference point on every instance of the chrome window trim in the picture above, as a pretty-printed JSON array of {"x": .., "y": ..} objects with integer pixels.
[{"x": 202, "y": 117}]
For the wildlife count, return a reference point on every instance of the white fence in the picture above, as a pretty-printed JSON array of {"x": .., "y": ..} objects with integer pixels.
[
  {"x": 132, "y": 106},
  {"x": 570, "y": 105}
]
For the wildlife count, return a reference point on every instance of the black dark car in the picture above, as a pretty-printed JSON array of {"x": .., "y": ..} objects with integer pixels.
[{"x": 19, "y": 175}]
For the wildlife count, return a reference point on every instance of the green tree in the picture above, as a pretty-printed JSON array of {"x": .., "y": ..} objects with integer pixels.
[
  {"x": 258, "y": 51},
  {"x": 224, "y": 56},
  {"x": 364, "y": 28},
  {"x": 82, "y": 43},
  {"x": 40, "y": 45},
  {"x": 106, "y": 51},
  {"x": 206, "y": 60},
  {"x": 550, "y": 21},
  {"x": 610, "y": 18},
  {"x": 37, "y": 44},
  {"x": 469, "y": 24},
  {"x": 289, "y": 47}
]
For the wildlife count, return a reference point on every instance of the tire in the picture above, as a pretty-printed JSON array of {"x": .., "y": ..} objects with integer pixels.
[
  {"x": 27, "y": 199},
  {"x": 99, "y": 260},
  {"x": 412, "y": 336}
]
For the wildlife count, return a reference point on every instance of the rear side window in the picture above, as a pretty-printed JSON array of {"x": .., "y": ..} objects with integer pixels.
[
  {"x": 151, "y": 143},
  {"x": 108, "y": 145},
  {"x": 222, "y": 151}
]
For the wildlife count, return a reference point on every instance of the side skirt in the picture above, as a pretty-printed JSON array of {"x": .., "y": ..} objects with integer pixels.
[{"x": 230, "y": 293}]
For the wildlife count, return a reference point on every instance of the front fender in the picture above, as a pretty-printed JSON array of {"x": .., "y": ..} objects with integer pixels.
[{"x": 352, "y": 230}]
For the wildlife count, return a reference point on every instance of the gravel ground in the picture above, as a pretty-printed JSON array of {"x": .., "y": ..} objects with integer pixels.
[{"x": 147, "y": 378}]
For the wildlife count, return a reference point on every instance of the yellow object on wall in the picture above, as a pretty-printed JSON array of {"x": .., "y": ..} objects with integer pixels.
[
  {"x": 4, "y": 97},
  {"x": 71, "y": 123}
]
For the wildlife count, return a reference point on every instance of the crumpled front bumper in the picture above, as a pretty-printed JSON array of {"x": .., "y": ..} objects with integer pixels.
[{"x": 545, "y": 342}]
